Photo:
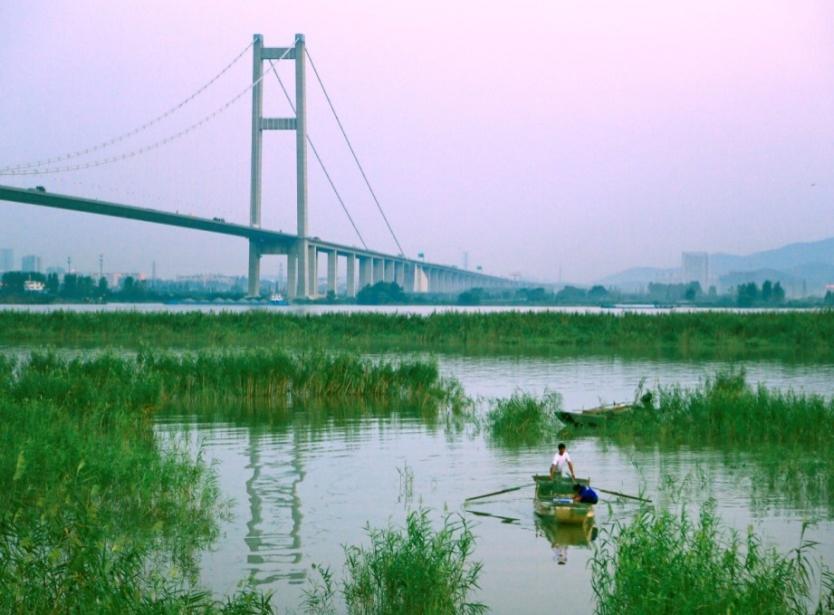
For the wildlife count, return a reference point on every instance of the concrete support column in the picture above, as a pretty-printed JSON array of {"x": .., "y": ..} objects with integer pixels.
[
  {"x": 292, "y": 272},
  {"x": 303, "y": 276},
  {"x": 365, "y": 271},
  {"x": 399, "y": 273},
  {"x": 312, "y": 272},
  {"x": 331, "y": 271},
  {"x": 388, "y": 270},
  {"x": 409, "y": 277},
  {"x": 378, "y": 274},
  {"x": 350, "y": 282},
  {"x": 254, "y": 269}
]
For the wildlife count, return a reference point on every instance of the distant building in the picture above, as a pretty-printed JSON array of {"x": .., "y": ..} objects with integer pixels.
[
  {"x": 31, "y": 262},
  {"x": 695, "y": 268},
  {"x": 6, "y": 259}
]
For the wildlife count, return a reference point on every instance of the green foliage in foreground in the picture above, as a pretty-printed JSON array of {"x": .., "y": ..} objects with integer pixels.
[
  {"x": 97, "y": 517},
  {"x": 662, "y": 563},
  {"x": 524, "y": 419},
  {"x": 413, "y": 570},
  {"x": 803, "y": 335}
]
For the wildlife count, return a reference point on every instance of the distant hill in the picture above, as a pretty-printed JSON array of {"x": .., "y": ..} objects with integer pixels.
[
  {"x": 804, "y": 267},
  {"x": 795, "y": 255},
  {"x": 637, "y": 278}
]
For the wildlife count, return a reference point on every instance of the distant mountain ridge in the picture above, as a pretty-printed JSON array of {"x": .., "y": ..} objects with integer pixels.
[{"x": 808, "y": 266}]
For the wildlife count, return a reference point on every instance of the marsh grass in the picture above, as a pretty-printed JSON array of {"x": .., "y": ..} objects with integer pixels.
[
  {"x": 524, "y": 419},
  {"x": 262, "y": 377},
  {"x": 660, "y": 562},
  {"x": 751, "y": 424},
  {"x": 784, "y": 334},
  {"x": 96, "y": 518},
  {"x": 728, "y": 410},
  {"x": 414, "y": 570}
]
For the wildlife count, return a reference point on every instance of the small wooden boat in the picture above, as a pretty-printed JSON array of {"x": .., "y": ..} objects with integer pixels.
[
  {"x": 554, "y": 500},
  {"x": 593, "y": 417}
]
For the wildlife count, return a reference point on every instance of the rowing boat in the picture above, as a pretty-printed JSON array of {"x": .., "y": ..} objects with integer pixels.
[{"x": 554, "y": 500}]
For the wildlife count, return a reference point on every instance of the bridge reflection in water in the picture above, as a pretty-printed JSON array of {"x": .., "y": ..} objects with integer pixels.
[{"x": 273, "y": 530}]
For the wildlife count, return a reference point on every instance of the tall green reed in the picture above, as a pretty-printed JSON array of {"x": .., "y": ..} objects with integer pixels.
[
  {"x": 660, "y": 562},
  {"x": 413, "y": 570},
  {"x": 783, "y": 334},
  {"x": 524, "y": 419}
]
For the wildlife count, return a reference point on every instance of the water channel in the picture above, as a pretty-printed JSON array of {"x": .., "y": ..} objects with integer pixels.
[{"x": 302, "y": 489}]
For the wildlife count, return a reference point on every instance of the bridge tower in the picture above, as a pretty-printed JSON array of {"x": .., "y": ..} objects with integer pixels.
[{"x": 298, "y": 258}]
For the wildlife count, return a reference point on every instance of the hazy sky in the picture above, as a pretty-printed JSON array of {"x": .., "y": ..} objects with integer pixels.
[{"x": 537, "y": 136}]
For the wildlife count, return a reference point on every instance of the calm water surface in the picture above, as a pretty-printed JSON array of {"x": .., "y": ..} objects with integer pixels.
[{"x": 301, "y": 492}]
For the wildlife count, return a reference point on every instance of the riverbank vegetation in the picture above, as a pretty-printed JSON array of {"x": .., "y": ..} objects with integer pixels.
[
  {"x": 660, "y": 562},
  {"x": 96, "y": 516},
  {"x": 261, "y": 378},
  {"x": 524, "y": 419},
  {"x": 791, "y": 335},
  {"x": 414, "y": 569}
]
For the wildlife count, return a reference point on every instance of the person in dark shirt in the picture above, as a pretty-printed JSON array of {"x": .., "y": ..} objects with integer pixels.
[{"x": 584, "y": 495}]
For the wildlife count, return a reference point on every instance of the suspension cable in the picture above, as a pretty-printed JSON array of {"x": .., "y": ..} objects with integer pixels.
[
  {"x": 321, "y": 162},
  {"x": 353, "y": 152},
  {"x": 130, "y": 133},
  {"x": 142, "y": 150}
]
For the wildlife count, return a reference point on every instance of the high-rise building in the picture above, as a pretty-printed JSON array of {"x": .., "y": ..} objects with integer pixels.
[
  {"x": 6, "y": 259},
  {"x": 695, "y": 268},
  {"x": 31, "y": 262}
]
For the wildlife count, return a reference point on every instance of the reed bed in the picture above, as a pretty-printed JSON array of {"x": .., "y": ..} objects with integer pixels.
[
  {"x": 727, "y": 410},
  {"x": 660, "y": 562},
  {"x": 752, "y": 424},
  {"x": 785, "y": 334},
  {"x": 256, "y": 377},
  {"x": 414, "y": 570},
  {"x": 95, "y": 517},
  {"x": 524, "y": 419}
]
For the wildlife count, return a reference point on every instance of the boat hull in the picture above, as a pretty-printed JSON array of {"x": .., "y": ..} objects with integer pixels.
[{"x": 554, "y": 500}]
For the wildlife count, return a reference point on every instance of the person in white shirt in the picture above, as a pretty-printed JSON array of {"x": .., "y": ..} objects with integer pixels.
[{"x": 562, "y": 464}]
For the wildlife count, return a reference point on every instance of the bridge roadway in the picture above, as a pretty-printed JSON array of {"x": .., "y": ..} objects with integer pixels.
[{"x": 412, "y": 275}]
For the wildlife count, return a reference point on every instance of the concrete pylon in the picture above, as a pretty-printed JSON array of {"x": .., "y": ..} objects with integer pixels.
[
  {"x": 300, "y": 252},
  {"x": 255, "y": 176}
]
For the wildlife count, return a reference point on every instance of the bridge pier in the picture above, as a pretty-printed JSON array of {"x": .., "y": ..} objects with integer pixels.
[
  {"x": 331, "y": 272},
  {"x": 350, "y": 281},
  {"x": 312, "y": 272},
  {"x": 292, "y": 272},
  {"x": 365, "y": 271},
  {"x": 254, "y": 269},
  {"x": 377, "y": 271},
  {"x": 399, "y": 273},
  {"x": 409, "y": 278}
]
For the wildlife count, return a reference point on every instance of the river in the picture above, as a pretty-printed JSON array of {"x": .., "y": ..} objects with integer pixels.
[{"x": 301, "y": 489}]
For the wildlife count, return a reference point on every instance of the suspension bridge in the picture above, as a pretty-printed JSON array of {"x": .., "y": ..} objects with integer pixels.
[{"x": 362, "y": 266}]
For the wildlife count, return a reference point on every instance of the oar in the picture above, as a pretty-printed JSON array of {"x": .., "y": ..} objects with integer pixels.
[
  {"x": 623, "y": 495},
  {"x": 486, "y": 495}
]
